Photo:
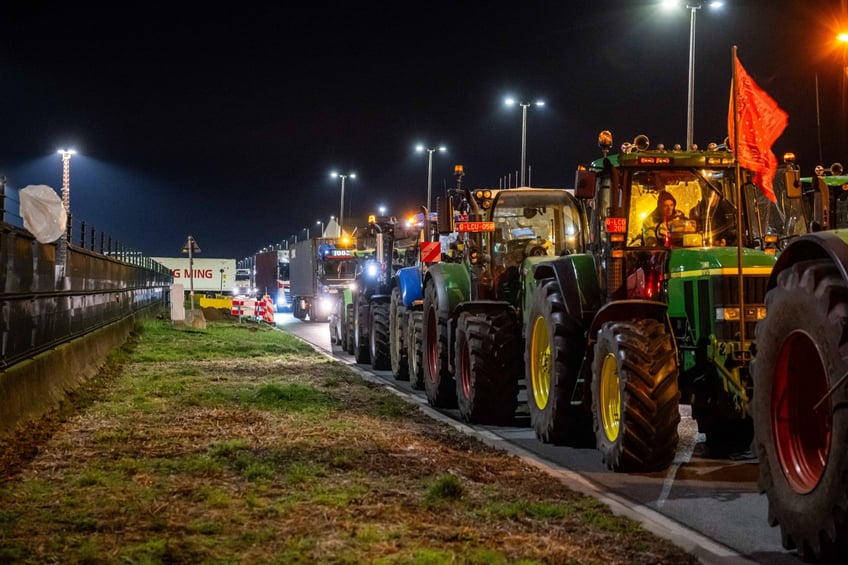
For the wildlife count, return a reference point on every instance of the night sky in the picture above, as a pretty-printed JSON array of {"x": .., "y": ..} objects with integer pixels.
[{"x": 224, "y": 121}]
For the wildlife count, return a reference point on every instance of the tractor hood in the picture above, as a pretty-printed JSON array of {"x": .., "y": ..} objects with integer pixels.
[{"x": 718, "y": 260}]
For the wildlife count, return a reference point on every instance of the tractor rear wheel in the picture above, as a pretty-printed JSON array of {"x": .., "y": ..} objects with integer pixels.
[
  {"x": 553, "y": 353},
  {"x": 378, "y": 336},
  {"x": 800, "y": 421},
  {"x": 488, "y": 367},
  {"x": 439, "y": 385},
  {"x": 415, "y": 349},
  {"x": 397, "y": 334},
  {"x": 635, "y": 395}
]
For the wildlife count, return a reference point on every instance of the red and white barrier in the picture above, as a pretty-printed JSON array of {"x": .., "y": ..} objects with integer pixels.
[
  {"x": 244, "y": 307},
  {"x": 265, "y": 310},
  {"x": 262, "y": 309}
]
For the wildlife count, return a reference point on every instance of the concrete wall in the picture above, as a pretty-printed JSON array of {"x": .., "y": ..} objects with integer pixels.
[{"x": 34, "y": 387}]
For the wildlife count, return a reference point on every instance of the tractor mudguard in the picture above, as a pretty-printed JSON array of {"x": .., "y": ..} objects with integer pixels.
[
  {"x": 577, "y": 276},
  {"x": 817, "y": 245},
  {"x": 409, "y": 282},
  {"x": 630, "y": 310},
  {"x": 380, "y": 298},
  {"x": 453, "y": 283}
]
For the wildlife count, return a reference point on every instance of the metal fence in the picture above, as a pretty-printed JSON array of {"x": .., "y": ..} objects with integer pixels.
[{"x": 52, "y": 293}]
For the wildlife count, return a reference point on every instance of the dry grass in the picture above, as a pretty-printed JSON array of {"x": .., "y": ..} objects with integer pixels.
[{"x": 229, "y": 446}]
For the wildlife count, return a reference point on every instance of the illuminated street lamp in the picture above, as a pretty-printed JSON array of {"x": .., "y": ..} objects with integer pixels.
[
  {"x": 341, "y": 211},
  {"x": 321, "y": 223},
  {"x": 524, "y": 106},
  {"x": 66, "y": 177},
  {"x": 694, "y": 6},
  {"x": 429, "y": 150}
]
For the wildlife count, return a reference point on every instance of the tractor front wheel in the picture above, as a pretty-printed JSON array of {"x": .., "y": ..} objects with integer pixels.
[
  {"x": 397, "y": 333},
  {"x": 439, "y": 385},
  {"x": 378, "y": 336},
  {"x": 635, "y": 395},
  {"x": 415, "y": 349},
  {"x": 488, "y": 367},
  {"x": 553, "y": 353}
]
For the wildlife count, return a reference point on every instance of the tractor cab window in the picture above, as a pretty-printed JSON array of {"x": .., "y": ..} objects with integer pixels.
[
  {"x": 681, "y": 208},
  {"x": 544, "y": 224}
]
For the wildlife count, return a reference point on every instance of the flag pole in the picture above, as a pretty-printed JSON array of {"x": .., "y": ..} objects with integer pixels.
[{"x": 739, "y": 196}]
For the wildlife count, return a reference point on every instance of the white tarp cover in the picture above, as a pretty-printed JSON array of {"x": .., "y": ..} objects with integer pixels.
[{"x": 43, "y": 212}]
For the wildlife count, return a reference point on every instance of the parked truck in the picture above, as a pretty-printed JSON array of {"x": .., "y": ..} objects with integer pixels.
[
  {"x": 321, "y": 269},
  {"x": 271, "y": 277},
  {"x": 800, "y": 367},
  {"x": 207, "y": 275},
  {"x": 611, "y": 322}
]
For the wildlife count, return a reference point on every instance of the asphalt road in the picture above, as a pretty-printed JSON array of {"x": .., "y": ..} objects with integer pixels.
[{"x": 709, "y": 506}]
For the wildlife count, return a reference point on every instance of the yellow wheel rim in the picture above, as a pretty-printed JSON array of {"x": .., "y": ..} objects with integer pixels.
[
  {"x": 610, "y": 398},
  {"x": 540, "y": 363}
]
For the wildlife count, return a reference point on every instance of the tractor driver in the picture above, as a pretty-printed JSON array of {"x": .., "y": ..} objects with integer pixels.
[{"x": 655, "y": 227}]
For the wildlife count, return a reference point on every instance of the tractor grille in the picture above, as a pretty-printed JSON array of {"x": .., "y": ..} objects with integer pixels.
[{"x": 726, "y": 295}]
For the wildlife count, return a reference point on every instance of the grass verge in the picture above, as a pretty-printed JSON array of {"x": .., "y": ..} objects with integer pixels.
[{"x": 237, "y": 446}]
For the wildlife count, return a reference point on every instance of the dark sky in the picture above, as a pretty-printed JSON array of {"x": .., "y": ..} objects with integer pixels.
[{"x": 224, "y": 120}]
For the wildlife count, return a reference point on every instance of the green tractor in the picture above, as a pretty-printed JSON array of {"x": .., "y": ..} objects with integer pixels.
[
  {"x": 800, "y": 366},
  {"x": 631, "y": 311}
]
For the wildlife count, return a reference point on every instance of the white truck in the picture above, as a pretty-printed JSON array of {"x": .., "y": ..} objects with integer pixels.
[
  {"x": 244, "y": 283},
  {"x": 208, "y": 276}
]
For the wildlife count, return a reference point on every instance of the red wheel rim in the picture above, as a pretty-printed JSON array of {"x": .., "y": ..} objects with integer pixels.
[
  {"x": 465, "y": 371},
  {"x": 432, "y": 344},
  {"x": 801, "y": 434}
]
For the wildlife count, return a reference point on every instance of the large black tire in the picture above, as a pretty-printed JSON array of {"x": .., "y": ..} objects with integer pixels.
[
  {"x": 298, "y": 312},
  {"x": 635, "y": 395},
  {"x": 488, "y": 367},
  {"x": 553, "y": 354},
  {"x": 415, "y": 348},
  {"x": 348, "y": 343},
  {"x": 378, "y": 337},
  {"x": 803, "y": 449},
  {"x": 439, "y": 385},
  {"x": 361, "y": 346},
  {"x": 397, "y": 334}
]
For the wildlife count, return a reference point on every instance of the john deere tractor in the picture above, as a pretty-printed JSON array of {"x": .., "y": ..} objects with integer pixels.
[{"x": 619, "y": 317}]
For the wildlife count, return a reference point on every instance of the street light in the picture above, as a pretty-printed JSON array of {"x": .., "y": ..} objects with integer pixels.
[
  {"x": 524, "y": 106},
  {"x": 66, "y": 177},
  {"x": 430, "y": 151},
  {"x": 842, "y": 39},
  {"x": 321, "y": 223},
  {"x": 341, "y": 211},
  {"x": 694, "y": 6}
]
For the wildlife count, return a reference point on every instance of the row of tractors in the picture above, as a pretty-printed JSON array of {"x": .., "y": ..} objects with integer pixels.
[{"x": 607, "y": 318}]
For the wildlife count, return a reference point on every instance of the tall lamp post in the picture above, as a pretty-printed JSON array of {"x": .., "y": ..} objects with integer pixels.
[
  {"x": 430, "y": 151},
  {"x": 842, "y": 38},
  {"x": 321, "y": 223},
  {"x": 66, "y": 177},
  {"x": 694, "y": 6},
  {"x": 524, "y": 106},
  {"x": 341, "y": 209}
]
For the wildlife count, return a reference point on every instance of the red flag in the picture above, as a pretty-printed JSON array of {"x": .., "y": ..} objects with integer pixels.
[{"x": 761, "y": 121}]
